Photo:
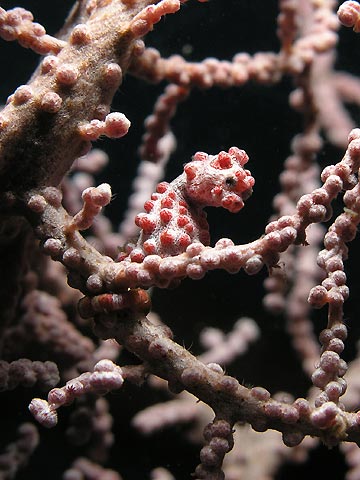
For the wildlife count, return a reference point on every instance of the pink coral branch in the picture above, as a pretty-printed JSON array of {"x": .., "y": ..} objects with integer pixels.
[
  {"x": 17, "y": 24},
  {"x": 106, "y": 377}
]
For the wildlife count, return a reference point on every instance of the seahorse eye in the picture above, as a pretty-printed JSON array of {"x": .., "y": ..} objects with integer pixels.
[{"x": 230, "y": 181}]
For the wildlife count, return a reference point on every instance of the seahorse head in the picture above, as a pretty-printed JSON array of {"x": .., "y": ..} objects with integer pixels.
[{"x": 219, "y": 180}]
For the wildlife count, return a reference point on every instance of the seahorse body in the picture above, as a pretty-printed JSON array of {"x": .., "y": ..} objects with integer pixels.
[{"x": 174, "y": 216}]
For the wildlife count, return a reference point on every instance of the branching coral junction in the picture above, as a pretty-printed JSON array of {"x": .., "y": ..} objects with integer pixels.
[{"x": 78, "y": 324}]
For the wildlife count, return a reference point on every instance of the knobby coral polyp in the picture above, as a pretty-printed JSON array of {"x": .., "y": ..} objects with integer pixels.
[{"x": 73, "y": 306}]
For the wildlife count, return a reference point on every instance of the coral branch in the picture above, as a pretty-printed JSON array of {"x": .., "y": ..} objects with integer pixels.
[
  {"x": 105, "y": 377},
  {"x": 17, "y": 24}
]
